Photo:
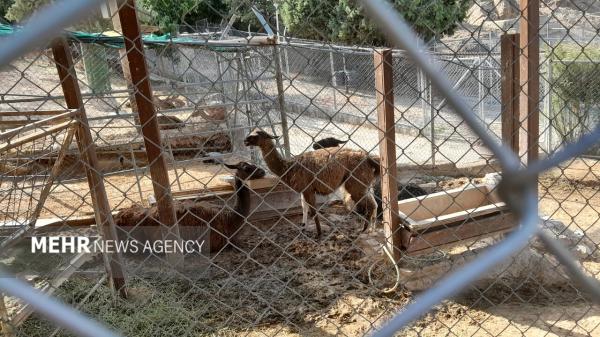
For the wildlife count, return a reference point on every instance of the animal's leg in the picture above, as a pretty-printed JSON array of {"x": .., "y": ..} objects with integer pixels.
[
  {"x": 311, "y": 200},
  {"x": 304, "y": 210},
  {"x": 365, "y": 204},
  {"x": 370, "y": 210}
]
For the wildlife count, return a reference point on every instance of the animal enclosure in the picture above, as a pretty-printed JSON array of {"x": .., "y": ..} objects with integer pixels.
[{"x": 121, "y": 131}]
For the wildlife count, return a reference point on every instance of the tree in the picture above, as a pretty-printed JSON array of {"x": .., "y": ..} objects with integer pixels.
[
  {"x": 574, "y": 90},
  {"x": 19, "y": 10},
  {"x": 169, "y": 14},
  {"x": 4, "y": 6},
  {"x": 343, "y": 20}
]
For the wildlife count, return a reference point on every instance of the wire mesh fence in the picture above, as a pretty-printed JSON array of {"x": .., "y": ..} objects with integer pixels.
[{"x": 200, "y": 148}]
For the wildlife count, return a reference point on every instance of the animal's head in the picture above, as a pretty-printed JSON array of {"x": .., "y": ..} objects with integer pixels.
[
  {"x": 258, "y": 138},
  {"x": 246, "y": 170}
]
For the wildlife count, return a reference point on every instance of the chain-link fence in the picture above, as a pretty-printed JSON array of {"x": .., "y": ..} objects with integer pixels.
[{"x": 184, "y": 156}]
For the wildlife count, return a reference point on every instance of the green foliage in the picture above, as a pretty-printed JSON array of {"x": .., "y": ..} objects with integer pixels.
[
  {"x": 575, "y": 89},
  {"x": 22, "y": 9},
  {"x": 247, "y": 17},
  {"x": 4, "y": 6},
  {"x": 343, "y": 20},
  {"x": 169, "y": 14}
]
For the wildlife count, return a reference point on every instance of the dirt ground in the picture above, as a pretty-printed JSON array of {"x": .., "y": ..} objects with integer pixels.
[{"x": 278, "y": 281}]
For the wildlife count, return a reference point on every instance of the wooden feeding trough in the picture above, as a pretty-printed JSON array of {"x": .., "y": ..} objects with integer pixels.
[{"x": 453, "y": 217}]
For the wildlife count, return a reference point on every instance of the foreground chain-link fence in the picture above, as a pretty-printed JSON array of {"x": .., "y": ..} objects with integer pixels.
[{"x": 167, "y": 185}]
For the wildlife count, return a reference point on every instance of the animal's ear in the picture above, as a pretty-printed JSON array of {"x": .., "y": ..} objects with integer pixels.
[
  {"x": 273, "y": 137},
  {"x": 231, "y": 166}
]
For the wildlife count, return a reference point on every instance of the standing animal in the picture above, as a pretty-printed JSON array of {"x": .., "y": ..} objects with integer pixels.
[
  {"x": 321, "y": 172},
  {"x": 405, "y": 191},
  {"x": 328, "y": 142},
  {"x": 196, "y": 218}
]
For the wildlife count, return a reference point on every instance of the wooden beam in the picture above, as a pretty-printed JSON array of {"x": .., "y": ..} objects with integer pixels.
[
  {"x": 31, "y": 113},
  {"x": 140, "y": 77},
  {"x": 37, "y": 124},
  {"x": 459, "y": 232},
  {"x": 509, "y": 49},
  {"x": 384, "y": 87},
  {"x": 104, "y": 220},
  {"x": 529, "y": 114},
  {"x": 29, "y": 138}
]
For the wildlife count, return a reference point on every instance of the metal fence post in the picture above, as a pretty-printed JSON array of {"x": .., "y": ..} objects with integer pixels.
[
  {"x": 548, "y": 104},
  {"x": 281, "y": 100},
  {"x": 432, "y": 122},
  {"x": 333, "y": 78}
]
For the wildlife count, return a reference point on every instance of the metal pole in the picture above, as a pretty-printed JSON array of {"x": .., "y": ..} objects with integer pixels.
[
  {"x": 549, "y": 112},
  {"x": 432, "y": 123},
  {"x": 135, "y": 172},
  {"x": 480, "y": 89},
  {"x": 422, "y": 92},
  {"x": 281, "y": 101},
  {"x": 346, "y": 75},
  {"x": 333, "y": 78}
]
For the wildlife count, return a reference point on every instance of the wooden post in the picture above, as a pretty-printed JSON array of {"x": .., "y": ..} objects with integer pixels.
[
  {"x": 387, "y": 148},
  {"x": 140, "y": 77},
  {"x": 509, "y": 49},
  {"x": 529, "y": 114},
  {"x": 102, "y": 211}
]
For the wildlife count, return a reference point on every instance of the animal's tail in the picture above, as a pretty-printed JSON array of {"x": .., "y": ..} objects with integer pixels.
[{"x": 373, "y": 161}]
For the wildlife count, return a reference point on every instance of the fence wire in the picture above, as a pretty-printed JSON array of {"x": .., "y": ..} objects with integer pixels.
[{"x": 210, "y": 134}]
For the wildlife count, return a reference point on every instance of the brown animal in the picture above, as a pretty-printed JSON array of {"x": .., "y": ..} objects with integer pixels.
[
  {"x": 196, "y": 219},
  {"x": 322, "y": 172}
]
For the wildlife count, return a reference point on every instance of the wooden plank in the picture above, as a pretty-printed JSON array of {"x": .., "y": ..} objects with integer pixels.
[
  {"x": 529, "y": 114},
  {"x": 285, "y": 200},
  {"x": 461, "y": 231},
  {"x": 384, "y": 91},
  {"x": 29, "y": 138},
  {"x": 444, "y": 220},
  {"x": 254, "y": 184},
  {"x": 31, "y": 113},
  {"x": 12, "y": 124},
  {"x": 37, "y": 124},
  {"x": 147, "y": 116},
  {"x": 509, "y": 48},
  {"x": 104, "y": 220},
  {"x": 447, "y": 202}
]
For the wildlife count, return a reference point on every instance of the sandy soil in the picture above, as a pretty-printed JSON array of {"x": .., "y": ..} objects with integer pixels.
[{"x": 278, "y": 281}]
